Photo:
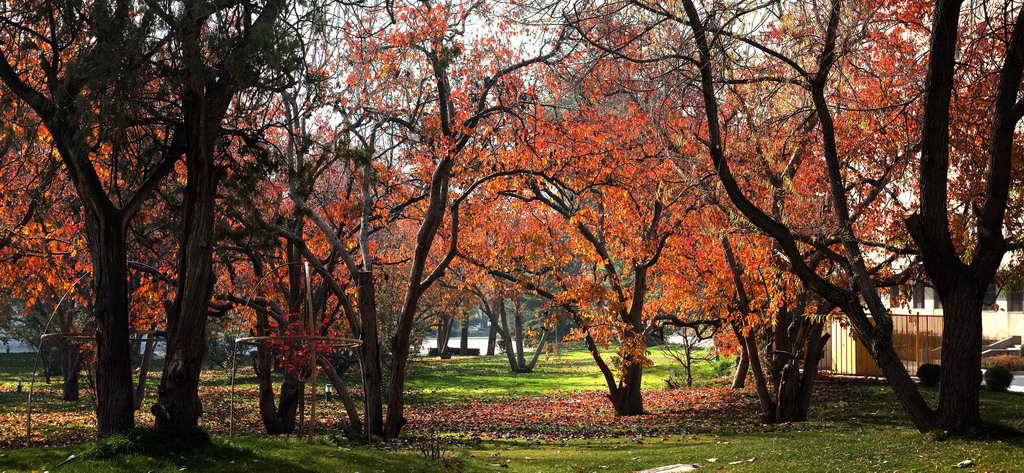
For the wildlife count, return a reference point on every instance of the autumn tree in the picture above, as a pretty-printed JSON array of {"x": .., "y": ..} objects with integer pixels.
[
  {"x": 219, "y": 52},
  {"x": 421, "y": 103},
  {"x": 83, "y": 68},
  {"x": 862, "y": 136}
]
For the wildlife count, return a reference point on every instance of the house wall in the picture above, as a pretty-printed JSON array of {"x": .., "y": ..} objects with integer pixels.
[{"x": 996, "y": 323}]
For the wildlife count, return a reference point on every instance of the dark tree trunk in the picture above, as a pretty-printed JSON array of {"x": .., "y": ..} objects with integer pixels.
[
  {"x": 373, "y": 380},
  {"x": 906, "y": 391},
  {"x": 178, "y": 408},
  {"x": 464, "y": 335},
  {"x": 785, "y": 391},
  {"x": 444, "y": 335},
  {"x": 114, "y": 409},
  {"x": 354, "y": 428},
  {"x": 136, "y": 352},
  {"x": 760, "y": 380},
  {"x": 961, "y": 361},
  {"x": 492, "y": 335},
  {"x": 72, "y": 368},
  {"x": 688, "y": 352},
  {"x": 815, "y": 348},
  {"x": 278, "y": 417},
  {"x": 416, "y": 284},
  {"x": 627, "y": 398}
]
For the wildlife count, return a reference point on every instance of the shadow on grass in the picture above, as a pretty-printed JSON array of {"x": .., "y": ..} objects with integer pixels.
[{"x": 241, "y": 454}]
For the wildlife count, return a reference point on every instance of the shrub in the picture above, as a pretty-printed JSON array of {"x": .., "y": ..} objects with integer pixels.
[
  {"x": 145, "y": 441},
  {"x": 998, "y": 379},
  {"x": 109, "y": 447},
  {"x": 1010, "y": 362},
  {"x": 929, "y": 374}
]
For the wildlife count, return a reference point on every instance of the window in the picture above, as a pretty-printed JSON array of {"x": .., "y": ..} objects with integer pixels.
[
  {"x": 918, "y": 296},
  {"x": 1015, "y": 300}
]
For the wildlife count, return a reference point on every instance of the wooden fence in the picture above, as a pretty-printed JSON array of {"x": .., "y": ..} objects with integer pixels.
[{"x": 917, "y": 339}]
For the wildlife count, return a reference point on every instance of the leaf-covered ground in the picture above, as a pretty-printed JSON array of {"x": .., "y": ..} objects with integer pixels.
[
  {"x": 535, "y": 424},
  {"x": 472, "y": 396}
]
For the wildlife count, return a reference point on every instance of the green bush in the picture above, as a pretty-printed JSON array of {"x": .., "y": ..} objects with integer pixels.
[
  {"x": 1010, "y": 362},
  {"x": 145, "y": 441},
  {"x": 929, "y": 374},
  {"x": 998, "y": 379},
  {"x": 112, "y": 446}
]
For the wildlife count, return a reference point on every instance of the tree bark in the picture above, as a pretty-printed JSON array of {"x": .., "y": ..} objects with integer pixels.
[
  {"x": 739, "y": 378},
  {"x": 760, "y": 381},
  {"x": 147, "y": 358},
  {"x": 536, "y": 353},
  {"x": 492, "y": 335},
  {"x": 815, "y": 349},
  {"x": 355, "y": 427},
  {"x": 520, "y": 356},
  {"x": 178, "y": 408},
  {"x": 416, "y": 285},
  {"x": 506, "y": 339},
  {"x": 958, "y": 409},
  {"x": 444, "y": 335},
  {"x": 464, "y": 335},
  {"x": 71, "y": 368},
  {"x": 373, "y": 379},
  {"x": 627, "y": 399},
  {"x": 278, "y": 416},
  {"x": 906, "y": 391},
  {"x": 114, "y": 408}
]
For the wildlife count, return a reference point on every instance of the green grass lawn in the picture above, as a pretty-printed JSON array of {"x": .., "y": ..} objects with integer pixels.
[
  {"x": 466, "y": 377},
  {"x": 15, "y": 367},
  {"x": 855, "y": 428}
]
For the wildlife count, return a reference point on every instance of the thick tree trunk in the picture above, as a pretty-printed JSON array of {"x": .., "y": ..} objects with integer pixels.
[
  {"x": 178, "y": 408},
  {"x": 787, "y": 407},
  {"x": 373, "y": 379},
  {"x": 627, "y": 399},
  {"x": 961, "y": 360},
  {"x": 415, "y": 286},
  {"x": 815, "y": 348},
  {"x": 113, "y": 370}
]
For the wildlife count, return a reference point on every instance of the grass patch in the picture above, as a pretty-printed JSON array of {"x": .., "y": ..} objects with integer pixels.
[
  {"x": 460, "y": 378},
  {"x": 869, "y": 448}
]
